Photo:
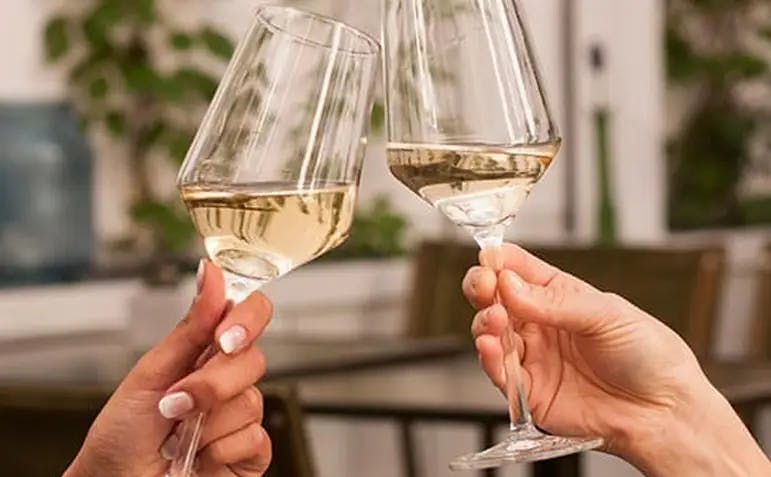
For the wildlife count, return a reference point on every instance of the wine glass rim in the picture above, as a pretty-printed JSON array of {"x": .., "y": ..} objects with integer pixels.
[{"x": 369, "y": 47}]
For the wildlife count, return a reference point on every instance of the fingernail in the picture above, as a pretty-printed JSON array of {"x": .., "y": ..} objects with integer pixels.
[
  {"x": 200, "y": 275},
  {"x": 175, "y": 405},
  {"x": 516, "y": 283},
  {"x": 232, "y": 339},
  {"x": 169, "y": 448}
]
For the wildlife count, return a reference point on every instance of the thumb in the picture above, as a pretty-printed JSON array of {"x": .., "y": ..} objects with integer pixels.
[
  {"x": 178, "y": 352},
  {"x": 562, "y": 304}
]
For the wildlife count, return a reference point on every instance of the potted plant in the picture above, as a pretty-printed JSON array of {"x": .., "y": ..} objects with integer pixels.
[
  {"x": 718, "y": 55},
  {"x": 136, "y": 74}
]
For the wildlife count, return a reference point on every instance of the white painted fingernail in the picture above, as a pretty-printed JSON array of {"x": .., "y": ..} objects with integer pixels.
[
  {"x": 176, "y": 405},
  {"x": 200, "y": 275},
  {"x": 170, "y": 447},
  {"x": 232, "y": 339}
]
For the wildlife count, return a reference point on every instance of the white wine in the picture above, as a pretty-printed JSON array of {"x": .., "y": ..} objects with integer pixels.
[
  {"x": 475, "y": 186},
  {"x": 262, "y": 231}
]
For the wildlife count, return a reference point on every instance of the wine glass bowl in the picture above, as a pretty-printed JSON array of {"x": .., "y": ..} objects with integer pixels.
[{"x": 271, "y": 178}]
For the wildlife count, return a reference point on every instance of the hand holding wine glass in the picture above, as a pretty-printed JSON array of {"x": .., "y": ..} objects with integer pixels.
[
  {"x": 594, "y": 364},
  {"x": 130, "y": 438}
]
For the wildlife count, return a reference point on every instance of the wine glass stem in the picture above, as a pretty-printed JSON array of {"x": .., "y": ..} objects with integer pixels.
[
  {"x": 491, "y": 240},
  {"x": 519, "y": 411},
  {"x": 236, "y": 289}
]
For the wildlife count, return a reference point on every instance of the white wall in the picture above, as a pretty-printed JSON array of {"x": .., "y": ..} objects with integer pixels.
[
  {"x": 23, "y": 74},
  {"x": 631, "y": 33}
]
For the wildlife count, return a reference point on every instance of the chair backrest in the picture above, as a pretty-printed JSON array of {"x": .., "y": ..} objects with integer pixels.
[
  {"x": 761, "y": 329},
  {"x": 681, "y": 287},
  {"x": 283, "y": 419},
  {"x": 437, "y": 307},
  {"x": 41, "y": 430}
]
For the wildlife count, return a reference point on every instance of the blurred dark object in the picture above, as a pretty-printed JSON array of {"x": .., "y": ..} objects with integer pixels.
[
  {"x": 607, "y": 232},
  {"x": 46, "y": 231},
  {"x": 378, "y": 232},
  {"x": 454, "y": 391},
  {"x": 606, "y": 216},
  {"x": 112, "y": 54},
  {"x": 681, "y": 287},
  {"x": 42, "y": 431},
  {"x": 715, "y": 57},
  {"x": 437, "y": 306},
  {"x": 284, "y": 421}
]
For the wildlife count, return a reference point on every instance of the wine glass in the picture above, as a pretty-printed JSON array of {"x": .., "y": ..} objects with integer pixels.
[
  {"x": 470, "y": 132},
  {"x": 272, "y": 176}
]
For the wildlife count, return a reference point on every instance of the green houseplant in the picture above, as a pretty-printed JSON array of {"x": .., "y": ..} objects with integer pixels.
[
  {"x": 717, "y": 50},
  {"x": 136, "y": 74}
]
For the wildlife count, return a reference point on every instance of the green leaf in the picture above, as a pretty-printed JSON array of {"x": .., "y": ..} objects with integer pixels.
[
  {"x": 115, "y": 122},
  {"x": 217, "y": 43},
  {"x": 683, "y": 63},
  {"x": 107, "y": 14},
  {"x": 178, "y": 143},
  {"x": 99, "y": 23},
  {"x": 743, "y": 65},
  {"x": 99, "y": 88},
  {"x": 145, "y": 10},
  {"x": 57, "y": 39},
  {"x": 141, "y": 77},
  {"x": 378, "y": 117},
  {"x": 180, "y": 41},
  {"x": 151, "y": 134},
  {"x": 197, "y": 82},
  {"x": 87, "y": 66},
  {"x": 171, "y": 226}
]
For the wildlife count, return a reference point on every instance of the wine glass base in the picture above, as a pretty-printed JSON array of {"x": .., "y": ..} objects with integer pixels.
[{"x": 527, "y": 445}]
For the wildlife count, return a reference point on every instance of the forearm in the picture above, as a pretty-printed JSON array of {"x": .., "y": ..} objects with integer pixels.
[{"x": 703, "y": 438}]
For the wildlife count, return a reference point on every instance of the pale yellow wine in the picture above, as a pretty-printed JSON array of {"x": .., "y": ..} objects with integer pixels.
[
  {"x": 262, "y": 231},
  {"x": 475, "y": 186}
]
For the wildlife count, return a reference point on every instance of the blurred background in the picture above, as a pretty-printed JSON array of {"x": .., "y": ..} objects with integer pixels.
[{"x": 664, "y": 106}]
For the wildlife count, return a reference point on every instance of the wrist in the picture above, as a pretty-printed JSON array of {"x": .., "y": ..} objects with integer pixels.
[
  {"x": 701, "y": 435},
  {"x": 78, "y": 469}
]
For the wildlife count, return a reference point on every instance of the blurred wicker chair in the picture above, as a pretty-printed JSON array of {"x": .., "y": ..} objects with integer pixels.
[
  {"x": 41, "y": 433},
  {"x": 760, "y": 339},
  {"x": 681, "y": 287},
  {"x": 285, "y": 424},
  {"x": 760, "y": 343}
]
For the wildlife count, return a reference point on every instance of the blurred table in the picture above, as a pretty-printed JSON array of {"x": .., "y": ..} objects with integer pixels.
[
  {"x": 51, "y": 388},
  {"x": 98, "y": 361},
  {"x": 455, "y": 390}
]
